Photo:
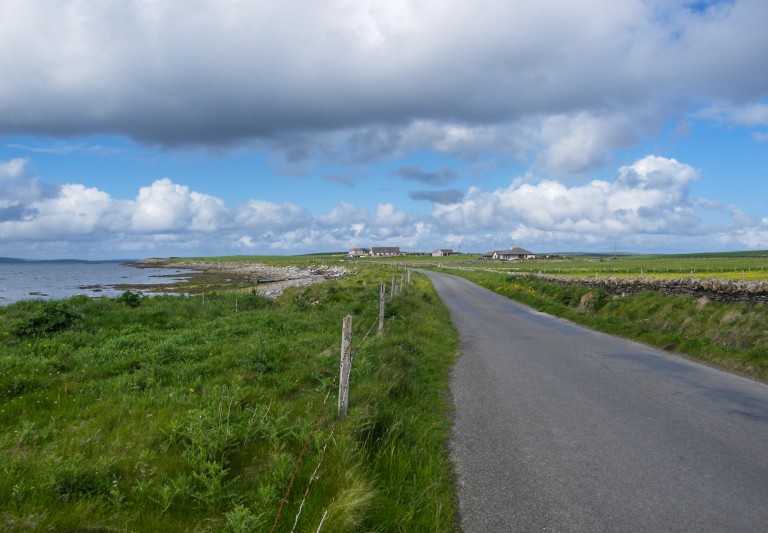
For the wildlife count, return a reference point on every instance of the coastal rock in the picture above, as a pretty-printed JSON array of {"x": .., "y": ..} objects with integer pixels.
[{"x": 270, "y": 281}]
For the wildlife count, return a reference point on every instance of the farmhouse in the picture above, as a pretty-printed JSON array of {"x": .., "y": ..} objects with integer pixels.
[
  {"x": 383, "y": 251},
  {"x": 442, "y": 253},
  {"x": 514, "y": 254},
  {"x": 358, "y": 252}
]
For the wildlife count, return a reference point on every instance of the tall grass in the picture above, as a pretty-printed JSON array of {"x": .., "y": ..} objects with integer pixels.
[{"x": 171, "y": 414}]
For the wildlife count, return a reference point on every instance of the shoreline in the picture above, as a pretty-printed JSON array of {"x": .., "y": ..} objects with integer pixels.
[{"x": 268, "y": 281}]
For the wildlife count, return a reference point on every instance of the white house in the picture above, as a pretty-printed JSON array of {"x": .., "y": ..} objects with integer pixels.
[
  {"x": 442, "y": 253},
  {"x": 514, "y": 254}
]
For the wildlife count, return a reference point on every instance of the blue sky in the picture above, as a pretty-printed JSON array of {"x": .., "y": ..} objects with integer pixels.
[{"x": 143, "y": 128}]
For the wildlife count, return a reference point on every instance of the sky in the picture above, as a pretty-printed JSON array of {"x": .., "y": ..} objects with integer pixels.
[{"x": 158, "y": 128}]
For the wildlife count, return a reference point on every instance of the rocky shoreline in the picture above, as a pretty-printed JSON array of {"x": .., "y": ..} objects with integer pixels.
[{"x": 269, "y": 281}]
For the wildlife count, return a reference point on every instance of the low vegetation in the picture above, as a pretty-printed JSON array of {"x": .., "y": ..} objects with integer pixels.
[
  {"x": 217, "y": 412},
  {"x": 182, "y": 413}
]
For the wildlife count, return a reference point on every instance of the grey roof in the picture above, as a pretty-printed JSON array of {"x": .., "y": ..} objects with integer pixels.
[{"x": 514, "y": 251}]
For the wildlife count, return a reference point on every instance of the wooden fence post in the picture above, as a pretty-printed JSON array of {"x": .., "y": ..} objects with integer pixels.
[
  {"x": 345, "y": 366},
  {"x": 382, "y": 298},
  {"x": 393, "y": 291}
]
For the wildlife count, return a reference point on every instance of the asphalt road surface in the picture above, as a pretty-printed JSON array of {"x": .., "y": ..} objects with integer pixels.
[{"x": 559, "y": 428}]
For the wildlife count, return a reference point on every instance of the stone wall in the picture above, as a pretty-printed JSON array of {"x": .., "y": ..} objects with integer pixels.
[{"x": 720, "y": 290}]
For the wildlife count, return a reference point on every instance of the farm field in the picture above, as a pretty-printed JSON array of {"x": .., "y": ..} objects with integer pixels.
[
  {"x": 749, "y": 266},
  {"x": 219, "y": 413}
]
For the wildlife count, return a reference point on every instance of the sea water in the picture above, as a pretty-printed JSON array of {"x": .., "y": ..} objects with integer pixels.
[{"x": 27, "y": 280}]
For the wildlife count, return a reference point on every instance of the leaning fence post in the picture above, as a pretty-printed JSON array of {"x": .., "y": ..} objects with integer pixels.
[
  {"x": 346, "y": 365},
  {"x": 382, "y": 298},
  {"x": 393, "y": 291}
]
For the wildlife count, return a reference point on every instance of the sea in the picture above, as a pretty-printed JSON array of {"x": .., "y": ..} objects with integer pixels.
[{"x": 49, "y": 280}]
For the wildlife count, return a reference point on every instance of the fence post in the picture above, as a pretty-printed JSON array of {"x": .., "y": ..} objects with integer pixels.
[
  {"x": 402, "y": 281},
  {"x": 345, "y": 366},
  {"x": 409, "y": 277},
  {"x": 382, "y": 298},
  {"x": 393, "y": 291}
]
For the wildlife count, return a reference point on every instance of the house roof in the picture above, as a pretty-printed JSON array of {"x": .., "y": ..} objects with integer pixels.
[
  {"x": 514, "y": 251},
  {"x": 385, "y": 250}
]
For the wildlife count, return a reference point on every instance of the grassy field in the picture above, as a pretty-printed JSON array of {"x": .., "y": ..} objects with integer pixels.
[
  {"x": 750, "y": 266},
  {"x": 178, "y": 414}
]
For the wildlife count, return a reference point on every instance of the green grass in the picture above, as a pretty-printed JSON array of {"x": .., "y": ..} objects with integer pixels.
[
  {"x": 733, "y": 336},
  {"x": 750, "y": 266},
  {"x": 171, "y": 414}
]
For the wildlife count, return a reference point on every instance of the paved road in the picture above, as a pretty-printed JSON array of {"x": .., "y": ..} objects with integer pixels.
[{"x": 559, "y": 428}]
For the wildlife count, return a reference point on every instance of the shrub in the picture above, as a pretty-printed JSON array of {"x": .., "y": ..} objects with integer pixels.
[
  {"x": 130, "y": 298},
  {"x": 49, "y": 318}
]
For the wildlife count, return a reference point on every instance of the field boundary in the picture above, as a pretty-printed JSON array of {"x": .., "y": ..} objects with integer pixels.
[
  {"x": 720, "y": 290},
  {"x": 342, "y": 382}
]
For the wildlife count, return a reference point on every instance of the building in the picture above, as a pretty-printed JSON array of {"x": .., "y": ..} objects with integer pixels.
[
  {"x": 513, "y": 254},
  {"x": 385, "y": 251},
  {"x": 442, "y": 253},
  {"x": 358, "y": 252}
]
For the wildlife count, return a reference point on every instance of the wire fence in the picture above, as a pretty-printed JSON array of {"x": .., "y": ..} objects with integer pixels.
[{"x": 395, "y": 290}]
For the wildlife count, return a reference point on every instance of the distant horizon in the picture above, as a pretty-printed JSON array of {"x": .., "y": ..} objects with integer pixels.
[{"x": 427, "y": 252}]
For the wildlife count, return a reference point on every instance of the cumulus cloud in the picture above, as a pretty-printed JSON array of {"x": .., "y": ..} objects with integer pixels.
[
  {"x": 645, "y": 207},
  {"x": 648, "y": 197},
  {"x": 380, "y": 73},
  {"x": 17, "y": 185},
  {"x": 167, "y": 207},
  {"x": 264, "y": 217}
]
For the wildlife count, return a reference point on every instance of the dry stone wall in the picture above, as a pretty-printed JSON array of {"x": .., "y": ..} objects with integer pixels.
[{"x": 720, "y": 290}]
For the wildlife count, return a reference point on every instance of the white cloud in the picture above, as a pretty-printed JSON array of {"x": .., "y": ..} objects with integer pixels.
[
  {"x": 263, "y": 217},
  {"x": 646, "y": 207},
  {"x": 389, "y": 217},
  {"x": 649, "y": 196},
  {"x": 345, "y": 214},
  {"x": 16, "y": 184},
  {"x": 168, "y": 207},
  {"x": 246, "y": 241}
]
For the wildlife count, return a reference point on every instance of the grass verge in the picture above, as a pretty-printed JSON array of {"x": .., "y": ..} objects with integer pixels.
[{"x": 174, "y": 414}]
